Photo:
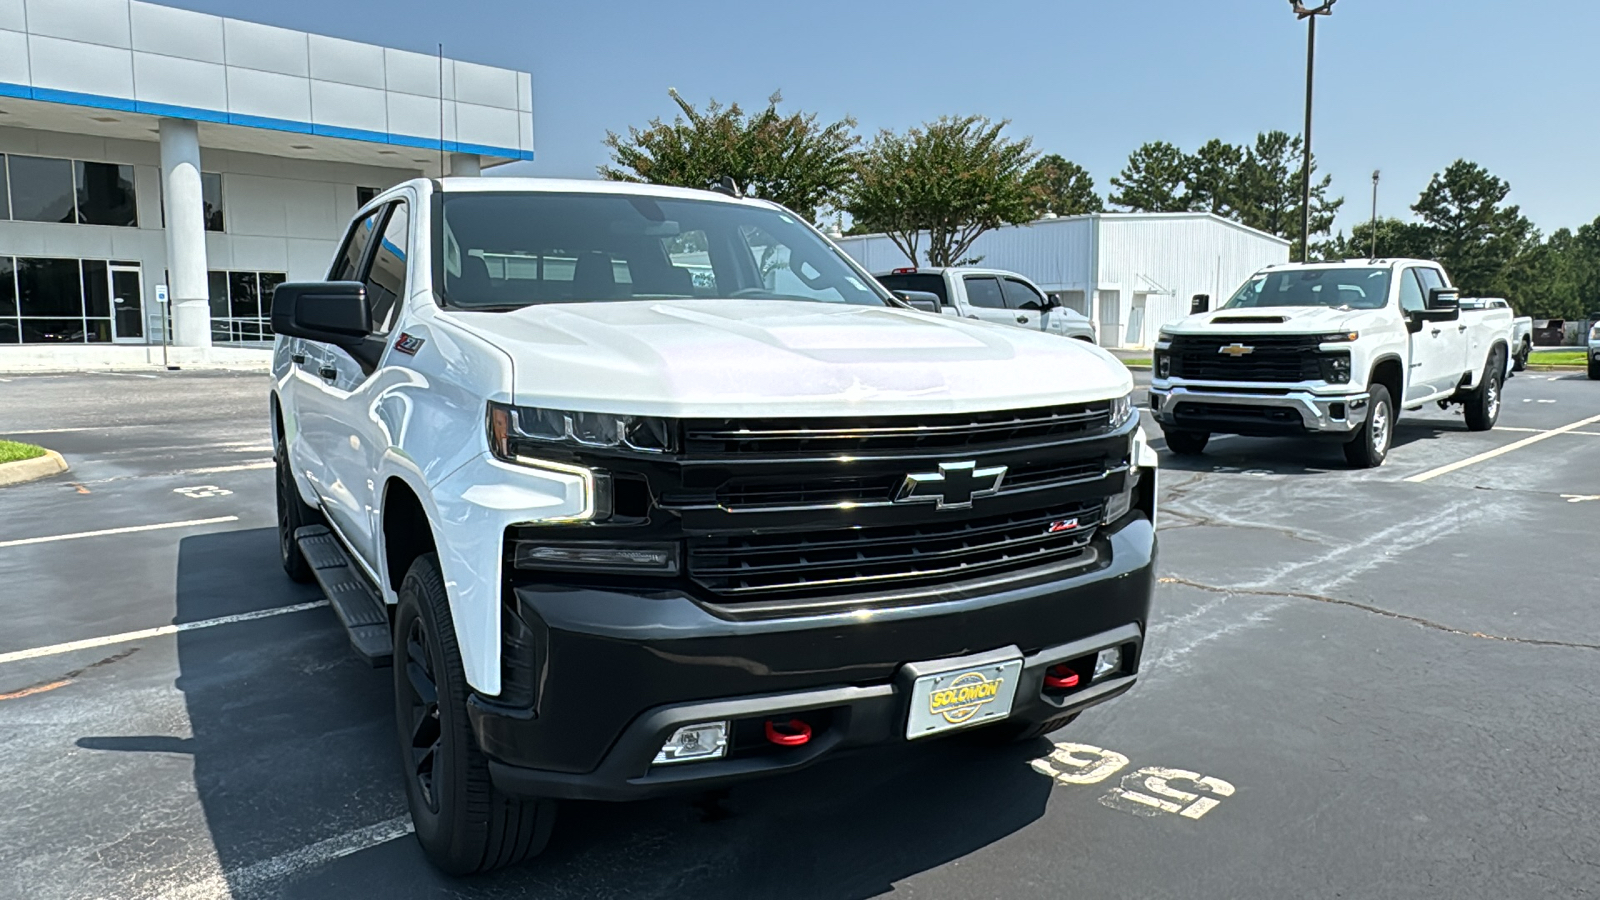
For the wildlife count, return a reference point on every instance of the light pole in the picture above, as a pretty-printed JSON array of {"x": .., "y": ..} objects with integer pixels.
[
  {"x": 1310, "y": 15},
  {"x": 1375, "y": 174}
]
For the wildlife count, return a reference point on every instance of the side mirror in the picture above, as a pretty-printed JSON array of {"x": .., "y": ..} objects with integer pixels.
[
  {"x": 921, "y": 300},
  {"x": 1051, "y": 301},
  {"x": 332, "y": 312},
  {"x": 1201, "y": 303},
  {"x": 1442, "y": 299}
]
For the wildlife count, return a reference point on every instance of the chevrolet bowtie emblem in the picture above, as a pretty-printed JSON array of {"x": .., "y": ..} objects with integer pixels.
[
  {"x": 1237, "y": 350},
  {"x": 952, "y": 487}
]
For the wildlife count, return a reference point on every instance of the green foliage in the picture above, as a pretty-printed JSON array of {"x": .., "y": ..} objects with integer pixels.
[
  {"x": 790, "y": 159},
  {"x": 1212, "y": 178},
  {"x": 12, "y": 451},
  {"x": 1476, "y": 235},
  {"x": 1062, "y": 187},
  {"x": 954, "y": 179},
  {"x": 1153, "y": 180},
  {"x": 1269, "y": 191},
  {"x": 1395, "y": 239}
]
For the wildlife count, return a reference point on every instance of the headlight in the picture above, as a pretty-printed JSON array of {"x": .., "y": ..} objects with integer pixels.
[
  {"x": 1340, "y": 337},
  {"x": 1118, "y": 505},
  {"x": 1121, "y": 410},
  {"x": 1336, "y": 368},
  {"x": 1163, "y": 335},
  {"x": 507, "y": 424},
  {"x": 1594, "y": 333}
]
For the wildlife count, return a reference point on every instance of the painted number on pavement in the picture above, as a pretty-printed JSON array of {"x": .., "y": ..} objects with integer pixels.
[
  {"x": 1150, "y": 791},
  {"x": 201, "y": 491}
]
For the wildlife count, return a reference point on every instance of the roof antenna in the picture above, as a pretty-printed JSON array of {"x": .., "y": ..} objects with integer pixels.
[
  {"x": 728, "y": 186},
  {"x": 442, "y": 169}
]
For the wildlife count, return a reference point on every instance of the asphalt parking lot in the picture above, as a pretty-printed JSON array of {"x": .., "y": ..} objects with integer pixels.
[{"x": 1384, "y": 682}]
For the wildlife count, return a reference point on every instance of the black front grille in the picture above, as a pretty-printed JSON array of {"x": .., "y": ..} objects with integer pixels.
[
  {"x": 862, "y": 436},
  {"x": 1284, "y": 358},
  {"x": 863, "y": 559}
]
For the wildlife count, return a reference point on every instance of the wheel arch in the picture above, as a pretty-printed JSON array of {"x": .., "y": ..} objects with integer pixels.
[
  {"x": 1390, "y": 372},
  {"x": 407, "y": 530}
]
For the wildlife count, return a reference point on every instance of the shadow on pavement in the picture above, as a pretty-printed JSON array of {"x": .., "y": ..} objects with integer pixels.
[{"x": 292, "y": 742}]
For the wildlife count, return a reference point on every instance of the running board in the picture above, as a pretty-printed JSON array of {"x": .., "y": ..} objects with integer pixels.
[{"x": 355, "y": 602}]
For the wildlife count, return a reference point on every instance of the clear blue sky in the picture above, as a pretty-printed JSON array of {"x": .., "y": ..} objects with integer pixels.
[{"x": 1405, "y": 86}]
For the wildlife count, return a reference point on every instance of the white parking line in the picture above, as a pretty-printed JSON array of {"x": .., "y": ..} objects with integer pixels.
[
  {"x": 1543, "y": 430},
  {"x": 1500, "y": 451},
  {"x": 249, "y": 880},
  {"x": 130, "y": 636},
  {"x": 127, "y": 530}
]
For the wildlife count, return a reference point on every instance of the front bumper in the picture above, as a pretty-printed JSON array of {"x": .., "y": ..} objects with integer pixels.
[
  {"x": 1267, "y": 413},
  {"x": 619, "y": 671}
]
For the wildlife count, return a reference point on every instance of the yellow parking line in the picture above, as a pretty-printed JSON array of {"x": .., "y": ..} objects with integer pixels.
[{"x": 1500, "y": 451}]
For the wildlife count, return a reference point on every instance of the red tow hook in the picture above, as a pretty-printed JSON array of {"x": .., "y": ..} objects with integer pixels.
[
  {"x": 1060, "y": 678},
  {"x": 792, "y": 733}
]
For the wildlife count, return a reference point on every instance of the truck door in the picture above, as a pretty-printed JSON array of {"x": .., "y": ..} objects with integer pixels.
[
  {"x": 1025, "y": 302},
  {"x": 1455, "y": 350},
  {"x": 1433, "y": 358},
  {"x": 985, "y": 301}
]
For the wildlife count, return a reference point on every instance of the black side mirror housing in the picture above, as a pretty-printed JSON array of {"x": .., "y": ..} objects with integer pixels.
[
  {"x": 333, "y": 312},
  {"x": 1201, "y": 303},
  {"x": 1442, "y": 299},
  {"x": 921, "y": 300}
]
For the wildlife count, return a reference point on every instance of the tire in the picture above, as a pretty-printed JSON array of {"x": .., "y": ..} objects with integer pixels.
[
  {"x": 1370, "y": 446},
  {"x": 1186, "y": 443},
  {"x": 463, "y": 823},
  {"x": 1520, "y": 361},
  {"x": 293, "y": 514},
  {"x": 1483, "y": 405},
  {"x": 1594, "y": 370}
]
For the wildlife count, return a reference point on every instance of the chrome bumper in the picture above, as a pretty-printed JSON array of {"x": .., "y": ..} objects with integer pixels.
[{"x": 1317, "y": 411}]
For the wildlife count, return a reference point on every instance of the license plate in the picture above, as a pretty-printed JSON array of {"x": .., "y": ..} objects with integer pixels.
[{"x": 962, "y": 698}]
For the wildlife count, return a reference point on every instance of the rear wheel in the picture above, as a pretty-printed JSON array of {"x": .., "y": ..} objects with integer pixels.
[
  {"x": 1370, "y": 445},
  {"x": 293, "y": 514},
  {"x": 1520, "y": 360},
  {"x": 1594, "y": 370},
  {"x": 1186, "y": 443},
  {"x": 1483, "y": 405},
  {"x": 464, "y": 824}
]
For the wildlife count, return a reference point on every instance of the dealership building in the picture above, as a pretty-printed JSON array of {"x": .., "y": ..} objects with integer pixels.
[
  {"x": 1130, "y": 273},
  {"x": 149, "y": 153}
]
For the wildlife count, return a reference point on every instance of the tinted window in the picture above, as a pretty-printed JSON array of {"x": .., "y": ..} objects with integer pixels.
[
  {"x": 8, "y": 289},
  {"x": 105, "y": 195},
  {"x": 211, "y": 193},
  {"x": 516, "y": 249},
  {"x": 386, "y": 281},
  {"x": 217, "y": 290},
  {"x": 41, "y": 189},
  {"x": 1411, "y": 292},
  {"x": 364, "y": 196},
  {"x": 926, "y": 282},
  {"x": 96, "y": 289},
  {"x": 5, "y": 206},
  {"x": 1430, "y": 279},
  {"x": 49, "y": 288},
  {"x": 1344, "y": 287},
  {"x": 243, "y": 299},
  {"x": 984, "y": 292},
  {"x": 1020, "y": 296},
  {"x": 348, "y": 266}
]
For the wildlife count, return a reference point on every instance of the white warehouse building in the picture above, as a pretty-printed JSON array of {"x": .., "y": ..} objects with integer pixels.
[
  {"x": 149, "y": 152},
  {"x": 1131, "y": 273}
]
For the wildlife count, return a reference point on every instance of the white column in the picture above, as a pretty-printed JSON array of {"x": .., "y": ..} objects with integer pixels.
[
  {"x": 186, "y": 233},
  {"x": 465, "y": 165}
]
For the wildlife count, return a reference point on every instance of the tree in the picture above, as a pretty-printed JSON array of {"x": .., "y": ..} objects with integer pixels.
[
  {"x": 1269, "y": 189},
  {"x": 953, "y": 179},
  {"x": 1395, "y": 239},
  {"x": 1153, "y": 180},
  {"x": 1476, "y": 236},
  {"x": 1062, "y": 187},
  {"x": 1212, "y": 178},
  {"x": 791, "y": 159}
]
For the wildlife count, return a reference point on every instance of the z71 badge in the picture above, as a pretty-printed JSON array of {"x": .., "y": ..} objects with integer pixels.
[{"x": 408, "y": 344}]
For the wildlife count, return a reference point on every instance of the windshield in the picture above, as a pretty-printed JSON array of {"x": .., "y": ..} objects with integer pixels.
[
  {"x": 510, "y": 250},
  {"x": 914, "y": 281},
  {"x": 1341, "y": 288}
]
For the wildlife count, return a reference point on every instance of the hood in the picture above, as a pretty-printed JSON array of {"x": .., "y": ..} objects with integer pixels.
[
  {"x": 712, "y": 358},
  {"x": 1275, "y": 320}
]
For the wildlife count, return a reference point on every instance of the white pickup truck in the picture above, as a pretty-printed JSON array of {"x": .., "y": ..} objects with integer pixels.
[
  {"x": 1521, "y": 328},
  {"x": 989, "y": 295},
  {"x": 1332, "y": 350},
  {"x": 645, "y": 489}
]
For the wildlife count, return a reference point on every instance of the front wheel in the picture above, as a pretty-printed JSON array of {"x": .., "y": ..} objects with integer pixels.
[
  {"x": 464, "y": 824},
  {"x": 1186, "y": 443},
  {"x": 293, "y": 514},
  {"x": 1483, "y": 405},
  {"x": 1594, "y": 370},
  {"x": 1370, "y": 445}
]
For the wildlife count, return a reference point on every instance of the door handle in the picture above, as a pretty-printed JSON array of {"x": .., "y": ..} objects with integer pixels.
[
  {"x": 1436, "y": 332},
  {"x": 329, "y": 373},
  {"x": 1461, "y": 328},
  {"x": 1022, "y": 320},
  {"x": 299, "y": 359},
  {"x": 971, "y": 316}
]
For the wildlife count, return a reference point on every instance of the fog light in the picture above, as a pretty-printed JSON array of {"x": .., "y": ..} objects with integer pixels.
[
  {"x": 1109, "y": 662},
  {"x": 1120, "y": 504},
  {"x": 598, "y": 556},
  {"x": 706, "y": 740}
]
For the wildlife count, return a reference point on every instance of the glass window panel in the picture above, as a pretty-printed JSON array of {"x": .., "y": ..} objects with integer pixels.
[
  {"x": 52, "y": 331},
  {"x": 105, "y": 195},
  {"x": 5, "y": 205},
  {"x": 243, "y": 296},
  {"x": 984, "y": 293},
  {"x": 8, "y": 287},
  {"x": 9, "y": 332},
  {"x": 269, "y": 281},
  {"x": 41, "y": 189},
  {"x": 386, "y": 280},
  {"x": 348, "y": 266},
  {"x": 49, "y": 287},
  {"x": 96, "y": 293},
  {"x": 1019, "y": 295},
  {"x": 211, "y": 191},
  {"x": 98, "y": 331},
  {"x": 365, "y": 195},
  {"x": 217, "y": 290}
]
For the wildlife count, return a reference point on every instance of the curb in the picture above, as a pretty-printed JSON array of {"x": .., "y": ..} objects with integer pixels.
[
  {"x": 1536, "y": 367},
  {"x": 51, "y": 463}
]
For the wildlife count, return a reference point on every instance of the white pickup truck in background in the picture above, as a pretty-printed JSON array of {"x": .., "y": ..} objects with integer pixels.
[
  {"x": 1521, "y": 328},
  {"x": 1333, "y": 350},
  {"x": 989, "y": 295}
]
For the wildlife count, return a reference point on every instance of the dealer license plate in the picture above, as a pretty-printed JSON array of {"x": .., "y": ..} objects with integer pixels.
[{"x": 962, "y": 698}]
